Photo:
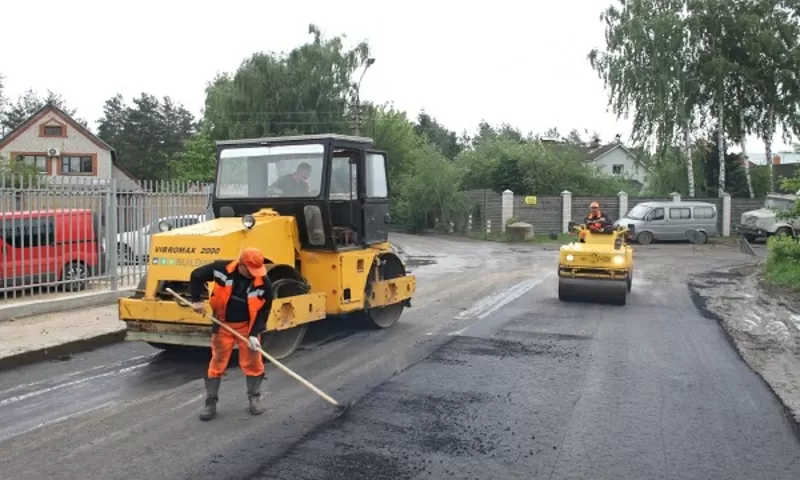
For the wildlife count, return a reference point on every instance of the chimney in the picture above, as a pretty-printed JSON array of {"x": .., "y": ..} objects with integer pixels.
[
  {"x": 618, "y": 138},
  {"x": 776, "y": 160}
]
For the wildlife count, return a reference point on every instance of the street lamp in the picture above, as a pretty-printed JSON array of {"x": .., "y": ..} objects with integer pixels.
[{"x": 367, "y": 64}]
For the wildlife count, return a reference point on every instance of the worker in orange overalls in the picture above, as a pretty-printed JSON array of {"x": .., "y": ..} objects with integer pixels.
[
  {"x": 595, "y": 220},
  {"x": 242, "y": 298}
]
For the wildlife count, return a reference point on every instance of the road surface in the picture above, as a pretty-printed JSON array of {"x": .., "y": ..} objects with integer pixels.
[{"x": 488, "y": 376}]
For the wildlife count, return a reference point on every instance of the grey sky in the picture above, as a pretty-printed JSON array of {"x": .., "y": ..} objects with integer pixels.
[{"x": 505, "y": 61}]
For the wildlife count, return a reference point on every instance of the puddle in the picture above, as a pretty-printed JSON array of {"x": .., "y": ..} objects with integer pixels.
[{"x": 419, "y": 261}]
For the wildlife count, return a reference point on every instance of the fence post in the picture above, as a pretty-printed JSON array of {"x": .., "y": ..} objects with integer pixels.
[
  {"x": 566, "y": 210},
  {"x": 676, "y": 197},
  {"x": 507, "y": 210},
  {"x": 623, "y": 204},
  {"x": 726, "y": 214},
  {"x": 111, "y": 242}
]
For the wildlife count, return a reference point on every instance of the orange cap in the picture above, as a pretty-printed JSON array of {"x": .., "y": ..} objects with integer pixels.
[
  {"x": 253, "y": 260},
  {"x": 594, "y": 205}
]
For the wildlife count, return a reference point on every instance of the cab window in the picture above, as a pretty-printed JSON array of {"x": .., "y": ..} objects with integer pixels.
[
  {"x": 657, "y": 214},
  {"x": 344, "y": 184},
  {"x": 377, "y": 183}
]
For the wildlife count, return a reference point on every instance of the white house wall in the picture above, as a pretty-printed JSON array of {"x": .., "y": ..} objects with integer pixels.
[
  {"x": 75, "y": 143},
  {"x": 618, "y": 156}
]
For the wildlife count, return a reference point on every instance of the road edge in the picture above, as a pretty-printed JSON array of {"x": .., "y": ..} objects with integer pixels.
[
  {"x": 701, "y": 303},
  {"x": 61, "y": 304},
  {"x": 58, "y": 352}
]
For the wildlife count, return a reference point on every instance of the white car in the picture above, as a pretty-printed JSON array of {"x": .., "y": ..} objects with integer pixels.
[{"x": 134, "y": 246}]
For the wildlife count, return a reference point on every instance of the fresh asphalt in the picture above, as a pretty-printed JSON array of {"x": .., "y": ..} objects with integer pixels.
[{"x": 488, "y": 376}]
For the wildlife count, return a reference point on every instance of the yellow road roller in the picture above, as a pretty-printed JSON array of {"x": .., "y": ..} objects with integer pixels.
[
  {"x": 318, "y": 207},
  {"x": 598, "y": 267}
]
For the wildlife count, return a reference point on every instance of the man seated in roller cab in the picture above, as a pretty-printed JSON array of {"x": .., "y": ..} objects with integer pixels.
[
  {"x": 295, "y": 184},
  {"x": 596, "y": 221}
]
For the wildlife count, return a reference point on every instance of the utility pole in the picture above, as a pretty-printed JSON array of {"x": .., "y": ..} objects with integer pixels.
[{"x": 367, "y": 64}]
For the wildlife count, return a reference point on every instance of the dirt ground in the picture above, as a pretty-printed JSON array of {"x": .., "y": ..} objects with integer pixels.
[{"x": 763, "y": 323}]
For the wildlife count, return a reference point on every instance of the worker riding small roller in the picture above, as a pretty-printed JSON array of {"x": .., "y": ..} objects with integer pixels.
[
  {"x": 242, "y": 299},
  {"x": 599, "y": 266}
]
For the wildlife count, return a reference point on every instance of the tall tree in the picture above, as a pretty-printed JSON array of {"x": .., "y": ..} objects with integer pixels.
[
  {"x": 29, "y": 103},
  {"x": 148, "y": 136},
  {"x": 308, "y": 90},
  {"x": 446, "y": 140}
]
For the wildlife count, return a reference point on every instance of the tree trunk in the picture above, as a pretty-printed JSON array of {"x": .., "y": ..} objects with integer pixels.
[
  {"x": 688, "y": 152},
  {"x": 721, "y": 142},
  {"x": 768, "y": 134},
  {"x": 744, "y": 156}
]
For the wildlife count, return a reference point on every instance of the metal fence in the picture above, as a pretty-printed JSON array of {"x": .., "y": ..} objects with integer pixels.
[{"x": 76, "y": 234}]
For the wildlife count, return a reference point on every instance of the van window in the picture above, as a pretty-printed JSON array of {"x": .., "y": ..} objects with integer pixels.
[
  {"x": 658, "y": 214},
  {"x": 680, "y": 213},
  {"x": 704, "y": 212},
  {"x": 30, "y": 232}
]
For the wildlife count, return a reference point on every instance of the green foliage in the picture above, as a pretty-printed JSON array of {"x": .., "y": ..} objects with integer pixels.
[
  {"x": 309, "y": 90},
  {"x": 15, "y": 174},
  {"x": 197, "y": 162},
  {"x": 149, "y": 135},
  {"x": 783, "y": 263},
  {"x": 28, "y": 104},
  {"x": 532, "y": 168}
]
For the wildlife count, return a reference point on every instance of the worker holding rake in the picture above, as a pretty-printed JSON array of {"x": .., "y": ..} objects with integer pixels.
[{"x": 241, "y": 298}]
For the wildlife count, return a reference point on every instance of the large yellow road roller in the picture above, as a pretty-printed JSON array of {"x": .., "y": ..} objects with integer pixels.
[
  {"x": 598, "y": 267},
  {"x": 318, "y": 207}
]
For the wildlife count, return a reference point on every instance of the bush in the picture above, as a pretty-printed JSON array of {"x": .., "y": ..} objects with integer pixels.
[{"x": 783, "y": 263}]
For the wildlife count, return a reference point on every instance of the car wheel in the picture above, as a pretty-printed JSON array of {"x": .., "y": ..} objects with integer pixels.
[
  {"x": 783, "y": 231},
  {"x": 644, "y": 238},
  {"x": 75, "y": 276}
]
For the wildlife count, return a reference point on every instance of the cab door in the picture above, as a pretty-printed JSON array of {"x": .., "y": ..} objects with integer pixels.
[{"x": 375, "y": 198}]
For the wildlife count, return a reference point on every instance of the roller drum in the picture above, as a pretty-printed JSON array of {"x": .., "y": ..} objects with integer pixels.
[{"x": 596, "y": 290}]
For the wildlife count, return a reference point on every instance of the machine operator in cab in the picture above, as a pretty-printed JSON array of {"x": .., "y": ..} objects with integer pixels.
[
  {"x": 596, "y": 219},
  {"x": 242, "y": 298}
]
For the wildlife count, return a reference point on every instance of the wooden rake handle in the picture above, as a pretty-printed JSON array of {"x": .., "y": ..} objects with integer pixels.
[{"x": 278, "y": 364}]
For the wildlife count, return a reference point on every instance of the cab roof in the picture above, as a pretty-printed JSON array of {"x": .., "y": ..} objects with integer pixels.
[{"x": 300, "y": 138}]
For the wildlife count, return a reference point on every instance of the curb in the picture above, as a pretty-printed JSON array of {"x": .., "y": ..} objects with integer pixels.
[
  {"x": 61, "y": 351},
  {"x": 53, "y": 305},
  {"x": 701, "y": 303}
]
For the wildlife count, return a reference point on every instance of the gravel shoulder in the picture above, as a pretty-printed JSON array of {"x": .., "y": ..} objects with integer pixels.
[{"x": 762, "y": 325}]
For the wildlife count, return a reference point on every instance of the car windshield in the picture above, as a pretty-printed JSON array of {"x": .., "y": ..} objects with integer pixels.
[
  {"x": 284, "y": 171},
  {"x": 638, "y": 212},
  {"x": 778, "y": 203}
]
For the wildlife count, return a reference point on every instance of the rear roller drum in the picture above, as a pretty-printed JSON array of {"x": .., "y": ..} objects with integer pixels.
[
  {"x": 390, "y": 266},
  {"x": 282, "y": 343}
]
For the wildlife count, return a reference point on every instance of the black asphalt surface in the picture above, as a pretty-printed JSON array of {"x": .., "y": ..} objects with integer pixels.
[{"x": 488, "y": 377}]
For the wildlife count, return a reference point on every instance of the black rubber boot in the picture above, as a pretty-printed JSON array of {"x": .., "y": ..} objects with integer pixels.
[
  {"x": 254, "y": 394},
  {"x": 212, "y": 395}
]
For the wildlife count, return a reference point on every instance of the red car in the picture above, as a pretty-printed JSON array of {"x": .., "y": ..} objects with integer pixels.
[{"x": 60, "y": 248}]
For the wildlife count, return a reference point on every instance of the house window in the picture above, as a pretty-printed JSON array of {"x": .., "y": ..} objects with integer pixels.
[
  {"x": 53, "y": 131},
  {"x": 38, "y": 161},
  {"x": 75, "y": 165},
  {"x": 618, "y": 169}
]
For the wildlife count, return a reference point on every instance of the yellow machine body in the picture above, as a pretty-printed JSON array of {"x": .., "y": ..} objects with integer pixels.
[
  {"x": 597, "y": 267},
  {"x": 335, "y": 282}
]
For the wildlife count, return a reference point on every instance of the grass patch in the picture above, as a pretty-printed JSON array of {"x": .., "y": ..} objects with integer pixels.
[
  {"x": 782, "y": 267},
  {"x": 561, "y": 239}
]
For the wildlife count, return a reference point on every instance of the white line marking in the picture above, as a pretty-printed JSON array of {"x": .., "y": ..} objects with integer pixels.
[
  {"x": 56, "y": 420},
  {"x": 36, "y": 393},
  {"x": 458, "y": 332}
]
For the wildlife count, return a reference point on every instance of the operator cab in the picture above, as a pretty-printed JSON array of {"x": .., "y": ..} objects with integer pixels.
[{"x": 336, "y": 186}]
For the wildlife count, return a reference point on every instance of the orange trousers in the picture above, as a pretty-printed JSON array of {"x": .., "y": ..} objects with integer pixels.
[{"x": 222, "y": 343}]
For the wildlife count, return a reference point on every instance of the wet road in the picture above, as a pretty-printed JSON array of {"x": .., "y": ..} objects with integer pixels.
[{"x": 488, "y": 376}]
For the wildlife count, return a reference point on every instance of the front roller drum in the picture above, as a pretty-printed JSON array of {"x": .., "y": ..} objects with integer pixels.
[{"x": 594, "y": 290}]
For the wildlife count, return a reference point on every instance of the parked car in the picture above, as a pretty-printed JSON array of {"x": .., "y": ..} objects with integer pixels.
[
  {"x": 48, "y": 246},
  {"x": 671, "y": 221},
  {"x": 764, "y": 222},
  {"x": 134, "y": 246}
]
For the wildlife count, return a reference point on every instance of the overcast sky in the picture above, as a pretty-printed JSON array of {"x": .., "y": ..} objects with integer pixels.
[{"x": 504, "y": 61}]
